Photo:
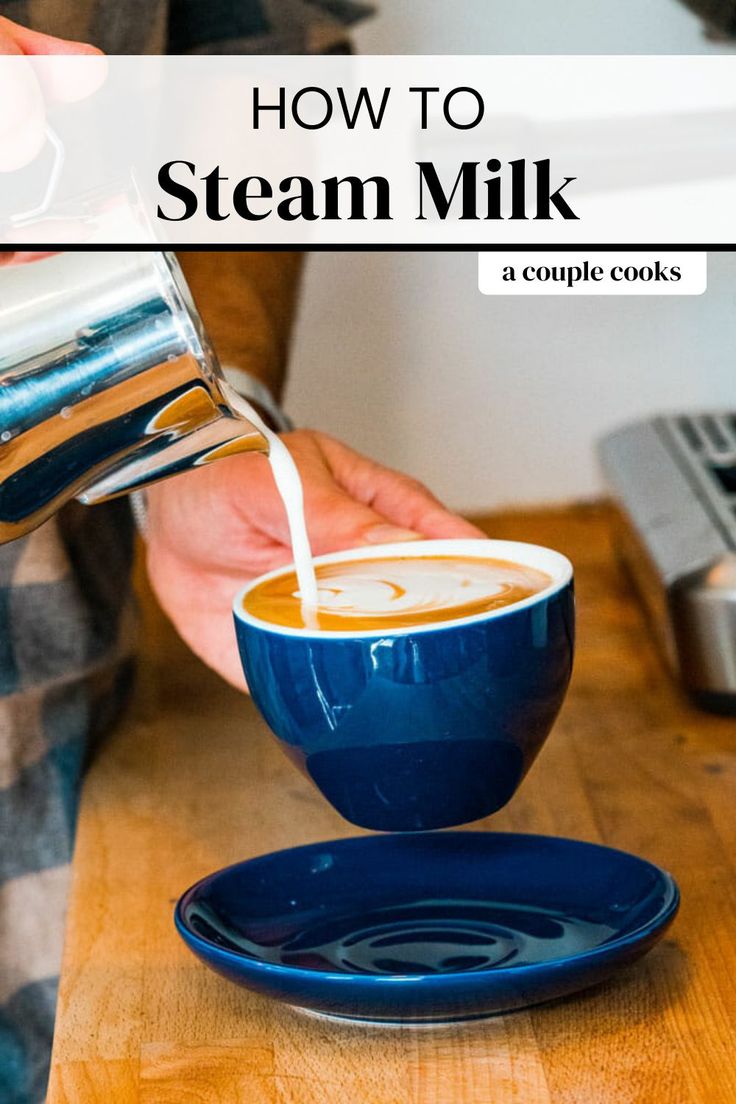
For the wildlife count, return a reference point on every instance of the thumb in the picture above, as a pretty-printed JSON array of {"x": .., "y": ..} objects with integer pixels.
[
  {"x": 73, "y": 77},
  {"x": 336, "y": 521},
  {"x": 22, "y": 113}
]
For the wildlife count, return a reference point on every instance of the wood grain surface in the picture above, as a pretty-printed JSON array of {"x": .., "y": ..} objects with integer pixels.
[{"x": 192, "y": 780}]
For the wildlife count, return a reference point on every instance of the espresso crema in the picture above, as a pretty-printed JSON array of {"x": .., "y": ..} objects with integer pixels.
[{"x": 396, "y": 592}]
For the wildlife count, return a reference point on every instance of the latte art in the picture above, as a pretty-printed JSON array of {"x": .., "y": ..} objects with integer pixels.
[
  {"x": 397, "y": 591},
  {"x": 409, "y": 587}
]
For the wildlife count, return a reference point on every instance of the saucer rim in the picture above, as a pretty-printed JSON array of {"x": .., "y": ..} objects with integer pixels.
[{"x": 655, "y": 924}]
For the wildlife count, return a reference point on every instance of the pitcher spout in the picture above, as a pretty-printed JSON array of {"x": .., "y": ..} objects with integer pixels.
[{"x": 166, "y": 455}]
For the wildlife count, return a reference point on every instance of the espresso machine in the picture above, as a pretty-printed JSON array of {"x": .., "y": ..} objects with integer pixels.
[
  {"x": 108, "y": 382},
  {"x": 673, "y": 482}
]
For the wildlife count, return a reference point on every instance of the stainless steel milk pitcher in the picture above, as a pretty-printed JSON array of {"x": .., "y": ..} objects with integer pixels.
[{"x": 107, "y": 383}]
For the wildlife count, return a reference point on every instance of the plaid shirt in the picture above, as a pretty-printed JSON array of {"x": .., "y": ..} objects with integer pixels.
[
  {"x": 65, "y": 662},
  {"x": 193, "y": 26},
  {"x": 65, "y": 620}
]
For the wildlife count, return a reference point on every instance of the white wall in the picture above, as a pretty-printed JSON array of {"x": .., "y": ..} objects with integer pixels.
[
  {"x": 493, "y": 401},
  {"x": 531, "y": 27}
]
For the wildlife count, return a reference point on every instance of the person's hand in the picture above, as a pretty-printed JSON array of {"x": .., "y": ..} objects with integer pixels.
[
  {"x": 213, "y": 529},
  {"x": 70, "y": 72}
]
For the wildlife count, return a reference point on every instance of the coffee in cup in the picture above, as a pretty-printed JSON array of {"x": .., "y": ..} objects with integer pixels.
[{"x": 396, "y": 591}]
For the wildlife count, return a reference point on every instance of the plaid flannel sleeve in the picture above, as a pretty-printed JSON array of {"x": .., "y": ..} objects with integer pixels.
[
  {"x": 66, "y": 634},
  {"x": 195, "y": 26}
]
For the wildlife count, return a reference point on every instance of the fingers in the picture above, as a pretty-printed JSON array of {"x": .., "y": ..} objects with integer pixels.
[
  {"x": 336, "y": 520},
  {"x": 68, "y": 71},
  {"x": 69, "y": 78},
  {"x": 21, "y": 40},
  {"x": 349, "y": 501},
  {"x": 398, "y": 498},
  {"x": 65, "y": 71}
]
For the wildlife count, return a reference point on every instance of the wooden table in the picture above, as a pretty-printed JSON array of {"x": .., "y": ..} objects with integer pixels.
[{"x": 192, "y": 781}]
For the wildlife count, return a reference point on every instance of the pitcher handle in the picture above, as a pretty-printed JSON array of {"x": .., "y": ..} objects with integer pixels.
[{"x": 52, "y": 183}]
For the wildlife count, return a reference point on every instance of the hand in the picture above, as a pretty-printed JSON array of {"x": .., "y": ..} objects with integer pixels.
[
  {"x": 23, "y": 87},
  {"x": 213, "y": 529}
]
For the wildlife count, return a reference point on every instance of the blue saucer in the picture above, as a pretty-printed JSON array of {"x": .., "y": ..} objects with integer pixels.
[{"x": 426, "y": 927}]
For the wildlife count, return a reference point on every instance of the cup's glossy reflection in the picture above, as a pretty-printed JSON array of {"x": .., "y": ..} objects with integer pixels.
[{"x": 425, "y": 727}]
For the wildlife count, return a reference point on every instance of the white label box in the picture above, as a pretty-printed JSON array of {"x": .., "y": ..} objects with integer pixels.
[{"x": 634, "y": 272}]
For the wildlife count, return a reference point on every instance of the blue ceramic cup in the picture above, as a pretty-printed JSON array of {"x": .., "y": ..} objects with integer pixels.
[{"x": 423, "y": 727}]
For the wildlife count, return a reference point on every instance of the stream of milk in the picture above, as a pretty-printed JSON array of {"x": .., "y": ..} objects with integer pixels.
[{"x": 289, "y": 486}]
